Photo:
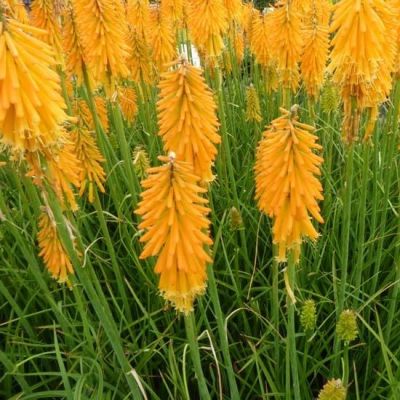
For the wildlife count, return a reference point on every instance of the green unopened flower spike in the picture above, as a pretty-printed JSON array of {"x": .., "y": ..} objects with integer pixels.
[
  {"x": 330, "y": 97},
  {"x": 346, "y": 328},
  {"x": 140, "y": 161},
  {"x": 308, "y": 315},
  {"x": 333, "y": 390},
  {"x": 235, "y": 219},
  {"x": 253, "y": 112}
]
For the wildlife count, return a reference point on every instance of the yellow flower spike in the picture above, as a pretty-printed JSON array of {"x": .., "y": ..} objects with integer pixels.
[
  {"x": 287, "y": 43},
  {"x": 18, "y": 10},
  {"x": 85, "y": 118},
  {"x": 43, "y": 16},
  {"x": 101, "y": 111},
  {"x": 52, "y": 250},
  {"x": 103, "y": 28},
  {"x": 128, "y": 102},
  {"x": 173, "y": 10},
  {"x": 253, "y": 111},
  {"x": 362, "y": 58},
  {"x": 138, "y": 14},
  {"x": 175, "y": 225},
  {"x": 207, "y": 22},
  {"x": 139, "y": 59},
  {"x": 87, "y": 152},
  {"x": 260, "y": 44},
  {"x": 73, "y": 47},
  {"x": 31, "y": 108},
  {"x": 249, "y": 12},
  {"x": 63, "y": 171},
  {"x": 187, "y": 118},
  {"x": 234, "y": 10},
  {"x": 316, "y": 46},
  {"x": 162, "y": 40},
  {"x": 236, "y": 37},
  {"x": 82, "y": 112},
  {"x": 395, "y": 7},
  {"x": 287, "y": 185}
]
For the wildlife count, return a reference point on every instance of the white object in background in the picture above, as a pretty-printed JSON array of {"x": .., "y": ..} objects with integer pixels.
[{"x": 194, "y": 56}]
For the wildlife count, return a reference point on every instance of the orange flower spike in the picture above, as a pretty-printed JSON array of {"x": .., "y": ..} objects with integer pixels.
[
  {"x": 31, "y": 108},
  {"x": 91, "y": 173},
  {"x": 260, "y": 44},
  {"x": 362, "y": 58},
  {"x": 175, "y": 223},
  {"x": 207, "y": 22},
  {"x": 139, "y": 60},
  {"x": 395, "y": 7},
  {"x": 102, "y": 112},
  {"x": 287, "y": 184},
  {"x": 43, "y": 16},
  {"x": 85, "y": 117},
  {"x": 316, "y": 46},
  {"x": 287, "y": 43},
  {"x": 52, "y": 250},
  {"x": 103, "y": 28},
  {"x": 187, "y": 118},
  {"x": 18, "y": 10},
  {"x": 73, "y": 48},
  {"x": 138, "y": 14},
  {"x": 249, "y": 12},
  {"x": 173, "y": 10},
  {"x": 234, "y": 10},
  {"x": 162, "y": 40},
  {"x": 128, "y": 102},
  {"x": 237, "y": 40},
  {"x": 63, "y": 172}
]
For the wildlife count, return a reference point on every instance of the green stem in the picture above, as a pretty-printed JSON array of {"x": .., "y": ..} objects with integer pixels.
[
  {"x": 275, "y": 303},
  {"x": 228, "y": 159},
  {"x": 119, "y": 126},
  {"x": 219, "y": 317},
  {"x": 291, "y": 329},
  {"x": 346, "y": 371},
  {"x": 114, "y": 262},
  {"x": 346, "y": 224},
  {"x": 195, "y": 355},
  {"x": 362, "y": 224}
]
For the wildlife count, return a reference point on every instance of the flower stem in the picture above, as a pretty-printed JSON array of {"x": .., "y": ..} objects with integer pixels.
[
  {"x": 291, "y": 329},
  {"x": 195, "y": 355}
]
